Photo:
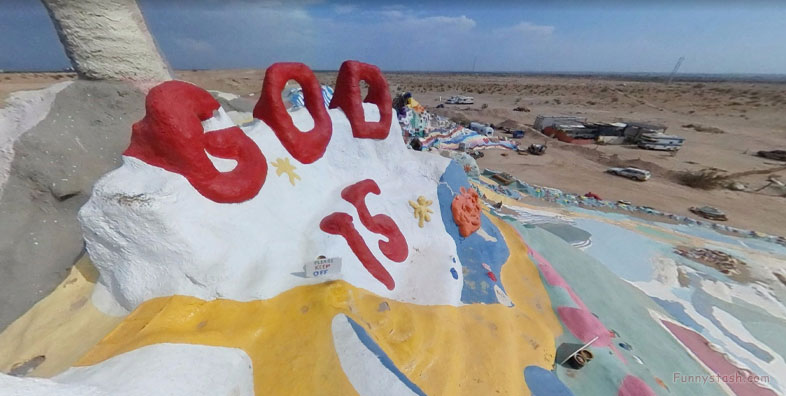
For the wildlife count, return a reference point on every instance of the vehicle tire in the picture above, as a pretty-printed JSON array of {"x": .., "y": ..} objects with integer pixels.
[{"x": 577, "y": 362}]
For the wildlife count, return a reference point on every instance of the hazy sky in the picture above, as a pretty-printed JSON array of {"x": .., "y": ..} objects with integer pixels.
[{"x": 547, "y": 35}]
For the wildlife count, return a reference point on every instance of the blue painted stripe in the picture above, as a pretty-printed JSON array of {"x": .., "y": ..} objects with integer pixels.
[
  {"x": 542, "y": 382},
  {"x": 383, "y": 357}
]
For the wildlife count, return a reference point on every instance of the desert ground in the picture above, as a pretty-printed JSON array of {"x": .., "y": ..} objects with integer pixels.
[{"x": 735, "y": 120}]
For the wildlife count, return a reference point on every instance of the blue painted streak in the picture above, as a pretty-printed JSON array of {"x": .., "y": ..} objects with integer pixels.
[
  {"x": 678, "y": 312},
  {"x": 473, "y": 251},
  {"x": 542, "y": 382},
  {"x": 383, "y": 357},
  {"x": 703, "y": 302}
]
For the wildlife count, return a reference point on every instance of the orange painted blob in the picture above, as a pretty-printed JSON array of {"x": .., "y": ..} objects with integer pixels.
[{"x": 466, "y": 211}]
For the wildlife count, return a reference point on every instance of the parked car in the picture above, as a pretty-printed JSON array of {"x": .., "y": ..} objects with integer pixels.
[
  {"x": 503, "y": 178},
  {"x": 631, "y": 173},
  {"x": 593, "y": 196},
  {"x": 460, "y": 100},
  {"x": 708, "y": 212}
]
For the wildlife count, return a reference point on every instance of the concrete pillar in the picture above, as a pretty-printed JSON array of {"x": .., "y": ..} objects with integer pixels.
[{"x": 107, "y": 40}]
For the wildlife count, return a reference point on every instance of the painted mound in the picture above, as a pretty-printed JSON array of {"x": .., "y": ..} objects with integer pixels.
[
  {"x": 203, "y": 232},
  {"x": 205, "y": 280}
]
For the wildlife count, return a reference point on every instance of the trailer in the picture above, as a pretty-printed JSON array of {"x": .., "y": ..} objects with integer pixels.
[
  {"x": 660, "y": 141},
  {"x": 482, "y": 129},
  {"x": 543, "y": 121}
]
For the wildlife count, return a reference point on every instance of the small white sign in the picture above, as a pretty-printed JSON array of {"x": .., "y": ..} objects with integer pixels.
[{"x": 323, "y": 267}]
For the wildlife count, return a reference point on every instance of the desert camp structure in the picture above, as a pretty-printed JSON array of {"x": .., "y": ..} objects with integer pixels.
[
  {"x": 578, "y": 131},
  {"x": 460, "y": 100},
  {"x": 544, "y": 121}
]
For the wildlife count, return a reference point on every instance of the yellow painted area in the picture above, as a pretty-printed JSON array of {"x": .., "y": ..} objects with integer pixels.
[
  {"x": 495, "y": 196},
  {"x": 422, "y": 210},
  {"x": 62, "y": 327},
  {"x": 283, "y": 166},
  {"x": 469, "y": 350}
]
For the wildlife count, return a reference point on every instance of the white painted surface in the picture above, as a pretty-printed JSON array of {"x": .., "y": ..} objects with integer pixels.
[
  {"x": 14, "y": 386},
  {"x": 662, "y": 286},
  {"x": 776, "y": 365},
  {"x": 160, "y": 369},
  {"x": 172, "y": 240},
  {"x": 22, "y": 111},
  {"x": 363, "y": 368}
]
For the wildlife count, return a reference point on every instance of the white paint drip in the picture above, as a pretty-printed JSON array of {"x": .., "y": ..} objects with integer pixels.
[
  {"x": 485, "y": 235},
  {"x": 363, "y": 368},
  {"x": 733, "y": 325},
  {"x": 711, "y": 332}
]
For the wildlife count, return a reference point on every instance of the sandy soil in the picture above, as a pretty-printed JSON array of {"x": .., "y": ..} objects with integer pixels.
[
  {"x": 11, "y": 82},
  {"x": 751, "y": 117}
]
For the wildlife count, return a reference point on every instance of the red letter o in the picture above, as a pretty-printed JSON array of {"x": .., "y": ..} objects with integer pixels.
[
  {"x": 347, "y": 97},
  {"x": 305, "y": 147}
]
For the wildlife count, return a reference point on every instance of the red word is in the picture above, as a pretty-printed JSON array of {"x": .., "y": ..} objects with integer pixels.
[
  {"x": 340, "y": 223},
  {"x": 170, "y": 136}
]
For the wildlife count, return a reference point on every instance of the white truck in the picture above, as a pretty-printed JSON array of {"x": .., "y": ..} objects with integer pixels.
[{"x": 631, "y": 173}]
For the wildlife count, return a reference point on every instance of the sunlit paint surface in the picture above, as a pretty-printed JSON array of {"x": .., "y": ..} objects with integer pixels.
[
  {"x": 479, "y": 348},
  {"x": 517, "y": 304},
  {"x": 641, "y": 253}
]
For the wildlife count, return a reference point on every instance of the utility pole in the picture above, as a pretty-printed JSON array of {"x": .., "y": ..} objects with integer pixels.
[{"x": 674, "y": 71}]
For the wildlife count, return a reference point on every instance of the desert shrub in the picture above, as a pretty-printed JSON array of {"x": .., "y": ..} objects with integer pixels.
[
  {"x": 484, "y": 106},
  {"x": 705, "y": 129},
  {"x": 705, "y": 179}
]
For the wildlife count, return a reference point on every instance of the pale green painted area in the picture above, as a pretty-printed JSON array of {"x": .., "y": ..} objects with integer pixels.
[
  {"x": 660, "y": 234},
  {"x": 623, "y": 308},
  {"x": 762, "y": 325}
]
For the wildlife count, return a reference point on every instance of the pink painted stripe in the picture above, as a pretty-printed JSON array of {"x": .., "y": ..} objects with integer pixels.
[
  {"x": 634, "y": 386},
  {"x": 716, "y": 361},
  {"x": 584, "y": 326}
]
